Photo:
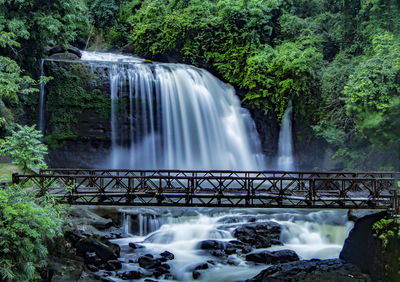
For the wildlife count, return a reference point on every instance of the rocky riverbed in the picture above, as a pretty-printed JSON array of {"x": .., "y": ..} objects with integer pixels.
[{"x": 107, "y": 244}]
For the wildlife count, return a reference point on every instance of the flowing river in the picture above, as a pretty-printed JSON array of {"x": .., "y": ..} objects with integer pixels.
[{"x": 311, "y": 234}]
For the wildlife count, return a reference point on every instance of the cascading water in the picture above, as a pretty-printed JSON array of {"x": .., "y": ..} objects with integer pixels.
[
  {"x": 41, "y": 124},
  {"x": 285, "y": 160},
  {"x": 316, "y": 234},
  {"x": 174, "y": 116}
]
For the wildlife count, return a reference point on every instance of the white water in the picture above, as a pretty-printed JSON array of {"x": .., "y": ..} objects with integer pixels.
[
  {"x": 285, "y": 160},
  {"x": 175, "y": 116},
  {"x": 317, "y": 234},
  {"x": 41, "y": 124}
]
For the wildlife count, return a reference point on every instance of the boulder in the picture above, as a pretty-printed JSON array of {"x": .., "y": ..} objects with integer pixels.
[
  {"x": 59, "y": 49},
  {"x": 217, "y": 248},
  {"x": 113, "y": 265},
  {"x": 135, "y": 246},
  {"x": 268, "y": 257},
  {"x": 365, "y": 250},
  {"x": 148, "y": 261},
  {"x": 167, "y": 255},
  {"x": 196, "y": 274},
  {"x": 201, "y": 266},
  {"x": 312, "y": 270},
  {"x": 64, "y": 57},
  {"x": 132, "y": 275},
  {"x": 259, "y": 235},
  {"x": 104, "y": 252}
]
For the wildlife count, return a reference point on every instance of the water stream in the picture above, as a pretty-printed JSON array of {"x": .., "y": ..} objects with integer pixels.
[
  {"x": 285, "y": 160},
  {"x": 311, "y": 234}
]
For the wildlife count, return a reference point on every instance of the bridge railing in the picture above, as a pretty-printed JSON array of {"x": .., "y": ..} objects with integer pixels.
[{"x": 219, "y": 188}]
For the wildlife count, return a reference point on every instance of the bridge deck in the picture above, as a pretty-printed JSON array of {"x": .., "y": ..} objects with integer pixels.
[{"x": 263, "y": 189}]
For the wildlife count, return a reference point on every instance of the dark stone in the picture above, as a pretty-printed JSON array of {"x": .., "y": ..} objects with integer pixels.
[
  {"x": 64, "y": 56},
  {"x": 312, "y": 270},
  {"x": 196, "y": 274},
  {"x": 268, "y": 257},
  {"x": 167, "y": 255},
  {"x": 92, "y": 268},
  {"x": 259, "y": 235},
  {"x": 363, "y": 249},
  {"x": 74, "y": 50},
  {"x": 244, "y": 248},
  {"x": 201, "y": 266},
  {"x": 132, "y": 274},
  {"x": 217, "y": 248},
  {"x": 113, "y": 265},
  {"x": 104, "y": 252},
  {"x": 135, "y": 246},
  {"x": 149, "y": 262},
  {"x": 92, "y": 258}
]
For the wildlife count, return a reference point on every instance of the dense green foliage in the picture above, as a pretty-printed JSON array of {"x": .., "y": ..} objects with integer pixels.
[
  {"x": 35, "y": 23},
  {"x": 338, "y": 61},
  {"x": 25, "y": 148},
  {"x": 26, "y": 224}
]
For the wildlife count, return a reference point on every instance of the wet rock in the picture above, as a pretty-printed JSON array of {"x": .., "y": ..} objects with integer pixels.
[
  {"x": 259, "y": 235},
  {"x": 102, "y": 275},
  {"x": 54, "y": 50},
  {"x": 147, "y": 261},
  {"x": 135, "y": 246},
  {"x": 104, "y": 252},
  {"x": 201, "y": 266},
  {"x": 92, "y": 258},
  {"x": 161, "y": 269},
  {"x": 365, "y": 250},
  {"x": 84, "y": 216},
  {"x": 132, "y": 274},
  {"x": 233, "y": 260},
  {"x": 113, "y": 265},
  {"x": 312, "y": 270},
  {"x": 64, "y": 56},
  {"x": 92, "y": 268},
  {"x": 167, "y": 255},
  {"x": 217, "y": 248},
  {"x": 240, "y": 246},
  {"x": 268, "y": 257},
  {"x": 196, "y": 274}
]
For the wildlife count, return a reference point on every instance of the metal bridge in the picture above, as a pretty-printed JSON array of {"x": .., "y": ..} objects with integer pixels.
[{"x": 256, "y": 189}]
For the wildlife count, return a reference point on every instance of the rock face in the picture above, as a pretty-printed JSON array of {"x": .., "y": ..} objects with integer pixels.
[
  {"x": 259, "y": 235},
  {"x": 312, "y": 270},
  {"x": 363, "y": 249},
  {"x": 88, "y": 245},
  {"x": 268, "y": 257}
]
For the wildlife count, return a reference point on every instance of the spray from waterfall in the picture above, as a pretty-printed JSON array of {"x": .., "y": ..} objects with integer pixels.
[{"x": 285, "y": 160}]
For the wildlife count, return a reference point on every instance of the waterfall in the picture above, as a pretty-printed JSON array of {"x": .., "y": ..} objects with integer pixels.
[
  {"x": 285, "y": 159},
  {"x": 175, "y": 116},
  {"x": 41, "y": 125}
]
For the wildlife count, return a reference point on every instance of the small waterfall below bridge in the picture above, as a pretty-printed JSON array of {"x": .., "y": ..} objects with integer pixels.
[
  {"x": 175, "y": 116},
  {"x": 285, "y": 160}
]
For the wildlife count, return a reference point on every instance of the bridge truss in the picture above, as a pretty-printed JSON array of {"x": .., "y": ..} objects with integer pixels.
[{"x": 256, "y": 189}]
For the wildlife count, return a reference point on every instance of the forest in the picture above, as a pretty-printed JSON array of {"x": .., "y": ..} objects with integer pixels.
[{"x": 337, "y": 60}]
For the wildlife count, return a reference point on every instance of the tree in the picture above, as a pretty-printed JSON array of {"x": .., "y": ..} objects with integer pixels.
[
  {"x": 25, "y": 148},
  {"x": 26, "y": 225}
]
